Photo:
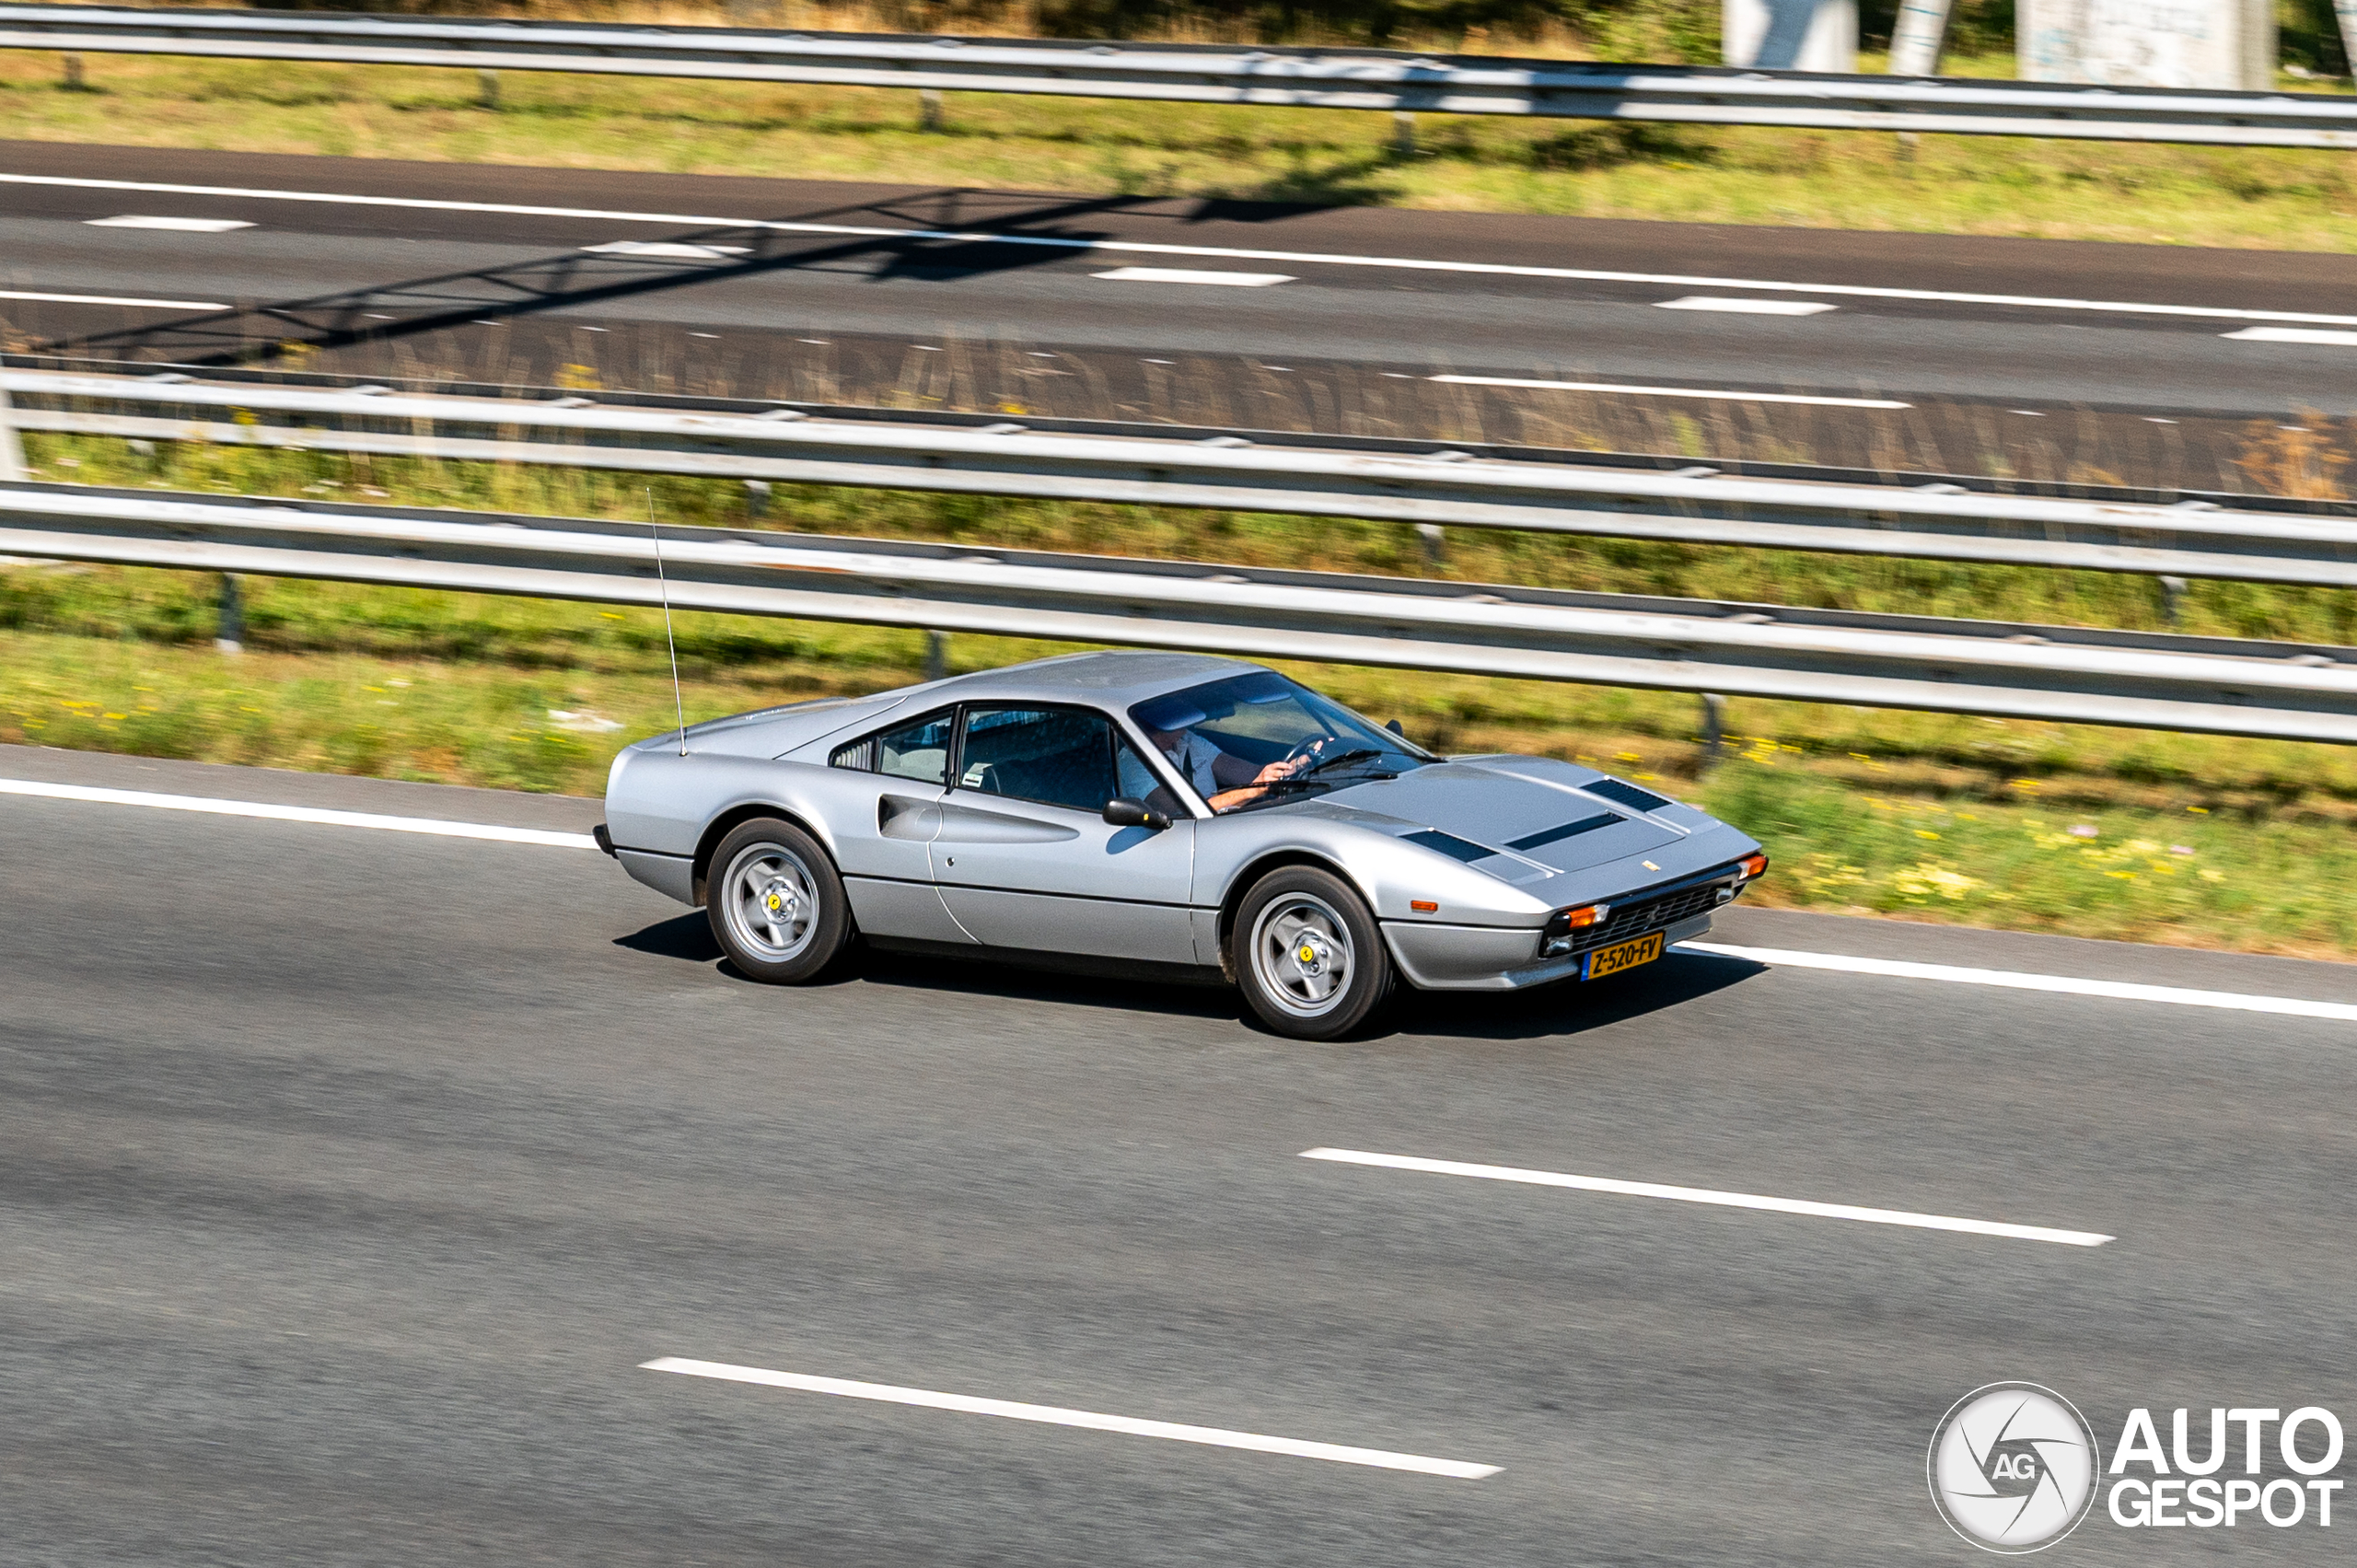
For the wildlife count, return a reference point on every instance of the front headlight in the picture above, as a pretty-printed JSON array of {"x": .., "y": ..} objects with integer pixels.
[{"x": 1557, "y": 936}]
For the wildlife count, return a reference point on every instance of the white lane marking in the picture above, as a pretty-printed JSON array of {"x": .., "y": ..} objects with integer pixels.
[
  {"x": 1192, "y": 274},
  {"x": 178, "y": 225},
  {"x": 1667, "y": 391},
  {"x": 113, "y": 299},
  {"x": 1746, "y": 306},
  {"x": 2293, "y": 335},
  {"x": 297, "y": 814},
  {"x": 1052, "y": 1415},
  {"x": 1143, "y": 248},
  {"x": 673, "y": 249},
  {"x": 1704, "y": 1195},
  {"x": 2012, "y": 980}
]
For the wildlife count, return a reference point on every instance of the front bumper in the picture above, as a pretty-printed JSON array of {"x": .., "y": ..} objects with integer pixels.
[{"x": 1489, "y": 958}]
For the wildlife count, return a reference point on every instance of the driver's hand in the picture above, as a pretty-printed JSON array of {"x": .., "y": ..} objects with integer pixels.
[{"x": 1276, "y": 771}]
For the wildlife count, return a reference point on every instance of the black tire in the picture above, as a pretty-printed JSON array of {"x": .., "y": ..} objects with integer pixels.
[
  {"x": 1308, "y": 955},
  {"x": 777, "y": 906}
]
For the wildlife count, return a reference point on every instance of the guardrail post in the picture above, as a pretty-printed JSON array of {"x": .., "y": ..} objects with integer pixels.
[
  {"x": 12, "y": 451},
  {"x": 229, "y": 636},
  {"x": 757, "y": 498},
  {"x": 936, "y": 655},
  {"x": 1921, "y": 32},
  {"x": 1714, "y": 717},
  {"x": 75, "y": 83},
  {"x": 1403, "y": 132},
  {"x": 929, "y": 114},
  {"x": 2172, "y": 595},
  {"x": 487, "y": 89},
  {"x": 1436, "y": 545}
]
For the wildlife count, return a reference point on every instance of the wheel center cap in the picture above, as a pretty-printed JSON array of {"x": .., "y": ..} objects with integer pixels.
[
  {"x": 1310, "y": 955},
  {"x": 780, "y": 901}
]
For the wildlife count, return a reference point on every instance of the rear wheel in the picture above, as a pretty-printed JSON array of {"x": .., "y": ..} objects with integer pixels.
[
  {"x": 775, "y": 904},
  {"x": 1308, "y": 954}
]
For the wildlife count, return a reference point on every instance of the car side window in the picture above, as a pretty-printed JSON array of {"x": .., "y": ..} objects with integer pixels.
[
  {"x": 1055, "y": 756},
  {"x": 1142, "y": 784},
  {"x": 919, "y": 751}
]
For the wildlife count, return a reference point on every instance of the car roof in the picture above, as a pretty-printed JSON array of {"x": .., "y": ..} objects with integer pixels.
[{"x": 1112, "y": 678}]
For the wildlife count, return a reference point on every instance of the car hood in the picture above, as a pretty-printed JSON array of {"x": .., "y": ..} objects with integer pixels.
[{"x": 1495, "y": 802}]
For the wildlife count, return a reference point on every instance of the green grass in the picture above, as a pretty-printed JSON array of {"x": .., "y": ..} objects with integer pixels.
[
  {"x": 1925, "y": 816},
  {"x": 2277, "y": 199},
  {"x": 2252, "y": 879}
]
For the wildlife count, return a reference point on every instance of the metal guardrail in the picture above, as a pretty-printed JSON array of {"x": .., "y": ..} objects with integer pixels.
[
  {"x": 1315, "y": 79},
  {"x": 1556, "y": 492},
  {"x": 2040, "y": 672}
]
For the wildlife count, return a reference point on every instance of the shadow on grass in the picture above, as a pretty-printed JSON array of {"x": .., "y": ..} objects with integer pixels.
[{"x": 1613, "y": 144}]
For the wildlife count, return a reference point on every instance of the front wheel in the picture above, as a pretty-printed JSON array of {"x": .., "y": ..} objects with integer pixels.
[
  {"x": 1308, "y": 954},
  {"x": 775, "y": 904}
]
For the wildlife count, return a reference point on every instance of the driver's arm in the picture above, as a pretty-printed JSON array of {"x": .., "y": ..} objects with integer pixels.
[
  {"x": 1231, "y": 772},
  {"x": 1240, "y": 779}
]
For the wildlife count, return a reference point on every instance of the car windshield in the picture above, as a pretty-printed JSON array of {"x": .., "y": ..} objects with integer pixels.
[{"x": 1224, "y": 735}]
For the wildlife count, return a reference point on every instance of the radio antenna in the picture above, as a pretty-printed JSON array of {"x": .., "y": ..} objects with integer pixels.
[{"x": 678, "y": 701}]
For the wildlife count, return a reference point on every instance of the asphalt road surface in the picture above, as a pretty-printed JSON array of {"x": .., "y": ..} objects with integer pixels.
[
  {"x": 2029, "y": 355},
  {"x": 348, "y": 1178}
]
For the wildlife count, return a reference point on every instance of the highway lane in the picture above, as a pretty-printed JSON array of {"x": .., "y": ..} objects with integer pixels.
[
  {"x": 346, "y": 1178},
  {"x": 879, "y": 277}
]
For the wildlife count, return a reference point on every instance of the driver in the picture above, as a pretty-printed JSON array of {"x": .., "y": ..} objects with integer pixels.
[{"x": 1223, "y": 780}]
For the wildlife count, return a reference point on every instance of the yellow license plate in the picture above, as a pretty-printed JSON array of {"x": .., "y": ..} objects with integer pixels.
[{"x": 1621, "y": 956}]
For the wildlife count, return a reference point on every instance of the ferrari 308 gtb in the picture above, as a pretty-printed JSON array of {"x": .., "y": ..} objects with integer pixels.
[{"x": 1138, "y": 809}]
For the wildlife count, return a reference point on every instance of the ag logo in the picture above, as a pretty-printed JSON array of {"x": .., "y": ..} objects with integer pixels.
[{"x": 2013, "y": 1467}]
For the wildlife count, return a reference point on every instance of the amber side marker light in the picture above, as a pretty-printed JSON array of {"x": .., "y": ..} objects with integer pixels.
[{"x": 1424, "y": 906}]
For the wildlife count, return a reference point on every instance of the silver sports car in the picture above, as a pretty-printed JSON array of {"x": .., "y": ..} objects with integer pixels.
[{"x": 1144, "y": 809}]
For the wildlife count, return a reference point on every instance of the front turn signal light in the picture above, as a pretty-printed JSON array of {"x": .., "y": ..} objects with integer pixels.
[
  {"x": 1754, "y": 866},
  {"x": 1562, "y": 922}
]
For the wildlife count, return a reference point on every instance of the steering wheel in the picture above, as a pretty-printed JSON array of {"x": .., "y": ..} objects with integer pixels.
[{"x": 1304, "y": 750}]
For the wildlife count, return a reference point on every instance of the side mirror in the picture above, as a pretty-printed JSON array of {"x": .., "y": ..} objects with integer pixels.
[
  {"x": 1128, "y": 813},
  {"x": 1393, "y": 726}
]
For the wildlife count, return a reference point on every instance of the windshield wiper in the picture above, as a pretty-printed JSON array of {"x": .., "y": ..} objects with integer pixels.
[
  {"x": 1304, "y": 779},
  {"x": 1355, "y": 754}
]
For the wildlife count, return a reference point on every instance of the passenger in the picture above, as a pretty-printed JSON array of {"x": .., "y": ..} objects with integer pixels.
[{"x": 1225, "y": 781}]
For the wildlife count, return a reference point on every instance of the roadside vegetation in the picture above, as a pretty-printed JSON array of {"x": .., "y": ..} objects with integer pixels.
[
  {"x": 2273, "y": 199},
  {"x": 2212, "y": 842}
]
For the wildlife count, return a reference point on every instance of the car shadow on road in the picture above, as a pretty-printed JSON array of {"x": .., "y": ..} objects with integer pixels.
[
  {"x": 1556, "y": 1010},
  {"x": 1570, "y": 1008},
  {"x": 686, "y": 936},
  {"x": 688, "y": 939}
]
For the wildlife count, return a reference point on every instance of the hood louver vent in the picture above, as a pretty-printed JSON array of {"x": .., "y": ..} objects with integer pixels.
[
  {"x": 1568, "y": 831},
  {"x": 1628, "y": 794},
  {"x": 1450, "y": 844}
]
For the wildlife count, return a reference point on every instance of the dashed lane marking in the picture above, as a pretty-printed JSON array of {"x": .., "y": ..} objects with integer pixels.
[
  {"x": 1746, "y": 306},
  {"x": 1144, "y": 248},
  {"x": 1052, "y": 1415},
  {"x": 2293, "y": 335},
  {"x": 112, "y": 299},
  {"x": 1705, "y": 1195},
  {"x": 175, "y": 226},
  {"x": 1194, "y": 276}
]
